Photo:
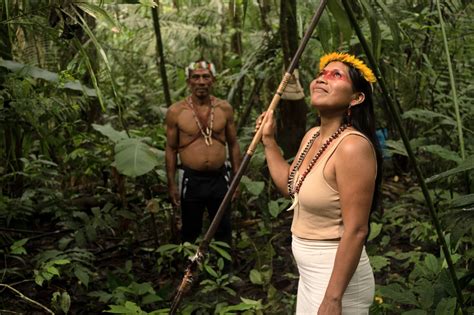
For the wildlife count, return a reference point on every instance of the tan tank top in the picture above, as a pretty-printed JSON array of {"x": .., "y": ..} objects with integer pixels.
[{"x": 317, "y": 215}]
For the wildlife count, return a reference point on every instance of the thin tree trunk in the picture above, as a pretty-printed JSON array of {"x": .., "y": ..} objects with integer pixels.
[
  {"x": 236, "y": 48},
  {"x": 291, "y": 122},
  {"x": 264, "y": 8},
  {"x": 161, "y": 56},
  {"x": 11, "y": 130}
]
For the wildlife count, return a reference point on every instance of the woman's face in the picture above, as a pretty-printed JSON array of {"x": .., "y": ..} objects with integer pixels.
[{"x": 332, "y": 87}]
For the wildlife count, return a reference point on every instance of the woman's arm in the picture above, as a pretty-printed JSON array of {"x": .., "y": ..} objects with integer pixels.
[{"x": 355, "y": 171}]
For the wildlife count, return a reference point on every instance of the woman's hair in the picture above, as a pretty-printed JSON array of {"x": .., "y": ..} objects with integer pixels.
[{"x": 363, "y": 119}]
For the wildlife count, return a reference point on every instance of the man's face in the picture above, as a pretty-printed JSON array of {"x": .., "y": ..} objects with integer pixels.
[{"x": 200, "y": 82}]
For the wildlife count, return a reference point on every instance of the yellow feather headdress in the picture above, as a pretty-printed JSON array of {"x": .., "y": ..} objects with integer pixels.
[{"x": 350, "y": 59}]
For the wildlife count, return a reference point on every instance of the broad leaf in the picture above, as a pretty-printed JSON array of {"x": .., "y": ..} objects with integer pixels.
[
  {"x": 425, "y": 115},
  {"x": 442, "y": 152},
  {"x": 109, "y": 131},
  {"x": 253, "y": 187},
  {"x": 466, "y": 165},
  {"x": 446, "y": 306},
  {"x": 39, "y": 73},
  {"x": 461, "y": 201},
  {"x": 135, "y": 158}
]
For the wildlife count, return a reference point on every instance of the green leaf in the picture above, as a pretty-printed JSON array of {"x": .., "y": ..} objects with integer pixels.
[
  {"x": 274, "y": 208},
  {"x": 466, "y": 165},
  {"x": 96, "y": 11},
  {"x": 151, "y": 298},
  {"x": 109, "y": 131},
  {"x": 379, "y": 262},
  {"x": 129, "y": 308},
  {"x": 211, "y": 271},
  {"x": 38, "y": 73},
  {"x": 375, "y": 229},
  {"x": 415, "y": 312},
  {"x": 90, "y": 232},
  {"x": 442, "y": 152},
  {"x": 148, "y": 3},
  {"x": 65, "y": 302},
  {"x": 82, "y": 275},
  {"x": 221, "y": 252},
  {"x": 425, "y": 115},
  {"x": 52, "y": 270},
  {"x": 446, "y": 306},
  {"x": 134, "y": 158},
  {"x": 392, "y": 23},
  {"x": 17, "y": 247},
  {"x": 253, "y": 187},
  {"x": 432, "y": 264},
  {"x": 167, "y": 248},
  {"x": 341, "y": 19},
  {"x": 375, "y": 34},
  {"x": 395, "y": 292},
  {"x": 323, "y": 31},
  {"x": 396, "y": 147},
  {"x": 461, "y": 201},
  {"x": 256, "y": 277}
]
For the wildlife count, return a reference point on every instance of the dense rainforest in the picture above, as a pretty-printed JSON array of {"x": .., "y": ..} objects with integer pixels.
[{"x": 86, "y": 225}]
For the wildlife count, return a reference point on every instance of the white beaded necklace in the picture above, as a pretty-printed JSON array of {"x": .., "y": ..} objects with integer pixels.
[{"x": 207, "y": 132}]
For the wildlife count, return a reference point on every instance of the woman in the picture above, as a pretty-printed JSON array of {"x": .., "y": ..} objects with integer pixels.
[{"x": 334, "y": 182}]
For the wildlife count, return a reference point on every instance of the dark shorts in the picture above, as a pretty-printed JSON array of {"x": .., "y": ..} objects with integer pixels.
[{"x": 201, "y": 190}]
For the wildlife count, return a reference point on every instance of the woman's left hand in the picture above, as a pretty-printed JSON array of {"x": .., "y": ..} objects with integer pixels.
[{"x": 328, "y": 307}]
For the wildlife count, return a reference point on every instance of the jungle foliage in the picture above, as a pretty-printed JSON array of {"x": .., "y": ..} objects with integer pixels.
[{"x": 85, "y": 223}]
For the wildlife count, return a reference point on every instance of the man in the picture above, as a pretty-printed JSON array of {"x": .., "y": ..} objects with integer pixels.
[{"x": 198, "y": 129}]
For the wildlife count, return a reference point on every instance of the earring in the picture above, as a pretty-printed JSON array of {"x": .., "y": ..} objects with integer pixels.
[{"x": 349, "y": 115}]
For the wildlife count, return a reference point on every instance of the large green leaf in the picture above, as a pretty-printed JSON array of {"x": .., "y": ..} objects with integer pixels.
[
  {"x": 135, "y": 158},
  {"x": 442, "y": 152},
  {"x": 97, "y": 12},
  {"x": 399, "y": 294},
  {"x": 253, "y": 187},
  {"x": 109, "y": 131},
  {"x": 39, "y": 73},
  {"x": 427, "y": 116},
  {"x": 341, "y": 18},
  {"x": 466, "y": 165},
  {"x": 461, "y": 201},
  {"x": 446, "y": 306}
]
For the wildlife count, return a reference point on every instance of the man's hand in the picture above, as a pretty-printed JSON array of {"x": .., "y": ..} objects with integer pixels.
[{"x": 174, "y": 195}]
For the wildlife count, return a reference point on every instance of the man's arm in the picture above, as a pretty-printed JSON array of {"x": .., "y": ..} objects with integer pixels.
[
  {"x": 231, "y": 139},
  {"x": 171, "y": 153}
]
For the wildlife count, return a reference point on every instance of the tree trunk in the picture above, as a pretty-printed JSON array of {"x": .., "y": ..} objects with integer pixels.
[
  {"x": 291, "y": 121},
  {"x": 264, "y": 8},
  {"x": 11, "y": 129},
  {"x": 161, "y": 56},
  {"x": 236, "y": 48}
]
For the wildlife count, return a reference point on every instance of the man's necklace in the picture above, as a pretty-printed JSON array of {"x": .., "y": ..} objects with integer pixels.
[
  {"x": 206, "y": 132},
  {"x": 294, "y": 189}
]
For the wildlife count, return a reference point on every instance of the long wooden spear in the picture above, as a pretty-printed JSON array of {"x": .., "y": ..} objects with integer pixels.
[{"x": 198, "y": 258}]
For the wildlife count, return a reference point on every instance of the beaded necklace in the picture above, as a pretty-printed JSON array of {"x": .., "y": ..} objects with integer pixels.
[
  {"x": 291, "y": 178},
  {"x": 206, "y": 133}
]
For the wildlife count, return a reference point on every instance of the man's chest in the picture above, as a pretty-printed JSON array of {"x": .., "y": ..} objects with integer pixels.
[{"x": 190, "y": 122}]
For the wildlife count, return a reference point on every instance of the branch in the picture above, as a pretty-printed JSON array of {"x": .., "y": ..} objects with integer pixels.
[{"x": 27, "y": 298}]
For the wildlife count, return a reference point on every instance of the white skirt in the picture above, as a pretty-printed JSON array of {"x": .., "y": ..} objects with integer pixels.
[{"x": 315, "y": 260}]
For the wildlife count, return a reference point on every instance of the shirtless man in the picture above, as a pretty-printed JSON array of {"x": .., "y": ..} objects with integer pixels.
[{"x": 198, "y": 129}]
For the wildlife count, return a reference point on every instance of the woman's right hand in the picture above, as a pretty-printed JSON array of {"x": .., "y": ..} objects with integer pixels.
[{"x": 268, "y": 132}]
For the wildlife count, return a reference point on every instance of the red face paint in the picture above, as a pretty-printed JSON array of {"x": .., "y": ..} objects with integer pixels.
[{"x": 334, "y": 74}]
